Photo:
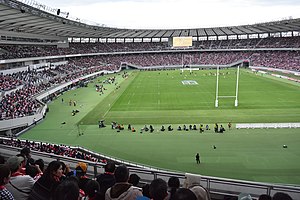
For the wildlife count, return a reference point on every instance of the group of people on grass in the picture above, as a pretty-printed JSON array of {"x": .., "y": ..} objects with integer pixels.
[{"x": 150, "y": 128}]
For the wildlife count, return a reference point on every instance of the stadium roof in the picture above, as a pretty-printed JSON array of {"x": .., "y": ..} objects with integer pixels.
[{"x": 16, "y": 17}]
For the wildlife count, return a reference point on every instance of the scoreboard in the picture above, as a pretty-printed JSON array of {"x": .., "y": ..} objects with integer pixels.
[{"x": 181, "y": 41}]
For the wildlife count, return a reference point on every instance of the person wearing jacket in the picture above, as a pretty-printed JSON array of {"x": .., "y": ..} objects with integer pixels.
[
  {"x": 107, "y": 179},
  {"x": 122, "y": 190},
  {"x": 44, "y": 187}
]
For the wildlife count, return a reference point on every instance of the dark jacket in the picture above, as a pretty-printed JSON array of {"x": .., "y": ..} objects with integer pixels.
[
  {"x": 43, "y": 189},
  {"x": 105, "y": 181}
]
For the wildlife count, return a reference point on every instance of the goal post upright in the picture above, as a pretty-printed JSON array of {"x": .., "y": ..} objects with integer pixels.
[
  {"x": 190, "y": 63},
  {"x": 237, "y": 87},
  {"x": 217, "y": 89}
]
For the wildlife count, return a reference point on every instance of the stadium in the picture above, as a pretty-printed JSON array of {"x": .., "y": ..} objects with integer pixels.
[{"x": 152, "y": 99}]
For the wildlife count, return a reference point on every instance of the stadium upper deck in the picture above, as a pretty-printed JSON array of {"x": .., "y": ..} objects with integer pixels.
[{"x": 19, "y": 20}]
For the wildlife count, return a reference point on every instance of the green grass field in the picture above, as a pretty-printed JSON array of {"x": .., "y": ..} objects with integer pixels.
[{"x": 160, "y": 98}]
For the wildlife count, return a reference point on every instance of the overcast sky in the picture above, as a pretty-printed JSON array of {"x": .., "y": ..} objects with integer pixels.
[{"x": 176, "y": 14}]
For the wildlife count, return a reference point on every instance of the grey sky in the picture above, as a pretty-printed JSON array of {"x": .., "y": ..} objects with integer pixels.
[{"x": 169, "y": 14}]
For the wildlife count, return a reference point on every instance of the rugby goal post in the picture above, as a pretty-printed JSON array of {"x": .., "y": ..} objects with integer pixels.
[
  {"x": 185, "y": 62},
  {"x": 236, "y": 89}
]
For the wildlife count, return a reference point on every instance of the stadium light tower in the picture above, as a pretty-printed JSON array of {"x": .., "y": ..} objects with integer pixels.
[{"x": 236, "y": 89}]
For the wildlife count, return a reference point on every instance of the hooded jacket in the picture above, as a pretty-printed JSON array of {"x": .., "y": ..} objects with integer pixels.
[
  {"x": 122, "y": 191},
  {"x": 192, "y": 182}
]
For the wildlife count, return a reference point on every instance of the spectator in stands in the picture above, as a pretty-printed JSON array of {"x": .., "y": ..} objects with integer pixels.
[
  {"x": 158, "y": 189},
  {"x": 33, "y": 172},
  {"x": 92, "y": 190},
  {"x": 66, "y": 171},
  {"x": 192, "y": 182},
  {"x": 184, "y": 194},
  {"x": 45, "y": 186},
  {"x": 80, "y": 172},
  {"x": 281, "y": 196},
  {"x": 20, "y": 185},
  {"x": 134, "y": 179},
  {"x": 122, "y": 189},
  {"x": 67, "y": 190},
  {"x": 173, "y": 185},
  {"x": 27, "y": 153},
  {"x": 40, "y": 162},
  {"x": 146, "y": 193},
  {"x": 4, "y": 179},
  {"x": 107, "y": 179},
  {"x": 23, "y": 163}
]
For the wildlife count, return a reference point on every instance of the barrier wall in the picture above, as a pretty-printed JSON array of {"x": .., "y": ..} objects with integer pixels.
[{"x": 268, "y": 125}]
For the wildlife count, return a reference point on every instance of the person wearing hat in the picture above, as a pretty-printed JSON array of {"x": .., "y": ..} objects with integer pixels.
[
  {"x": 20, "y": 185},
  {"x": 80, "y": 171},
  {"x": 192, "y": 182}
]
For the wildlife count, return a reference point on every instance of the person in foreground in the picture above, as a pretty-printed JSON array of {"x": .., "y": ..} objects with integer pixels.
[
  {"x": 44, "y": 187},
  {"x": 158, "y": 189},
  {"x": 4, "y": 179},
  {"x": 192, "y": 182},
  {"x": 122, "y": 190}
]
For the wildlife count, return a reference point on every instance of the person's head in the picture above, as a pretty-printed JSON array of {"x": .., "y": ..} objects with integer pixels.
[
  {"x": 264, "y": 196},
  {"x": 63, "y": 167},
  {"x": 174, "y": 182},
  {"x": 67, "y": 190},
  {"x": 26, "y": 152},
  {"x": 4, "y": 174},
  {"x": 184, "y": 194},
  {"x": 282, "y": 196},
  {"x": 134, "y": 179},
  {"x": 81, "y": 169},
  {"x": 158, "y": 189},
  {"x": 31, "y": 170},
  {"x": 14, "y": 163},
  {"x": 191, "y": 180},
  {"x": 53, "y": 171},
  {"x": 92, "y": 187},
  {"x": 40, "y": 163},
  {"x": 110, "y": 167},
  {"x": 24, "y": 160},
  {"x": 121, "y": 174}
]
